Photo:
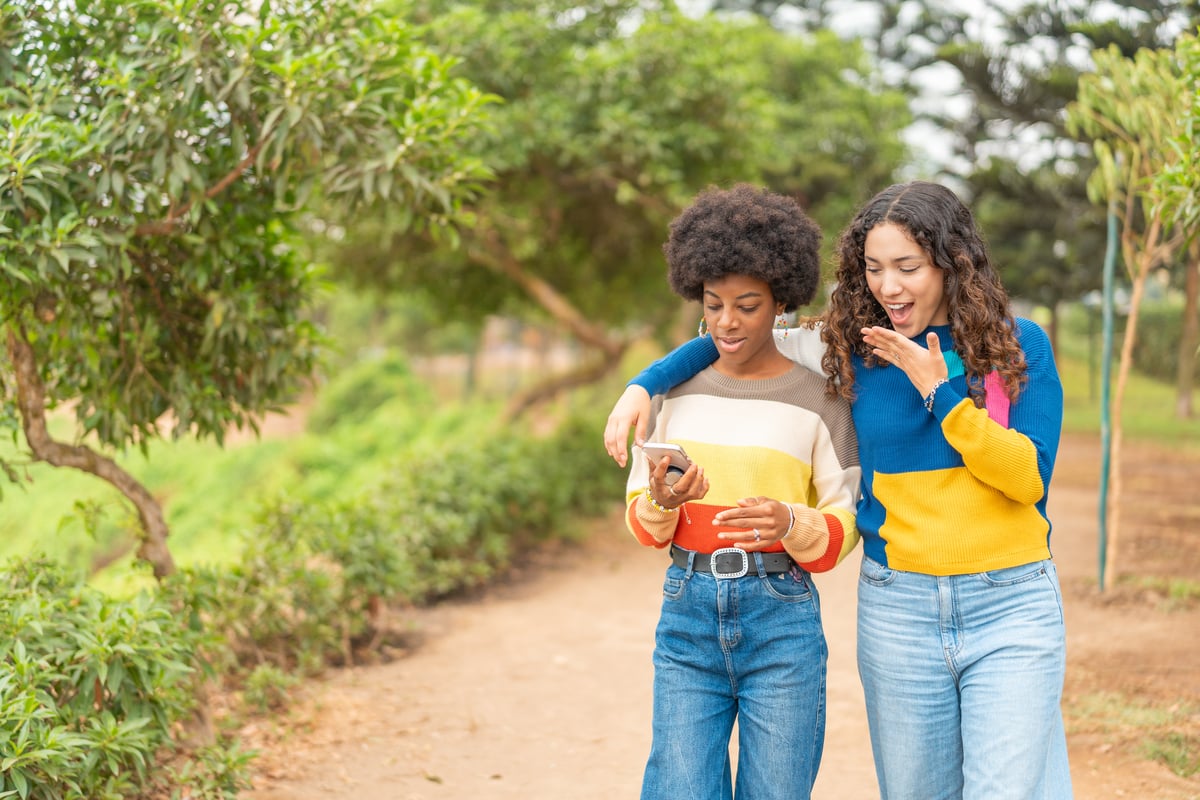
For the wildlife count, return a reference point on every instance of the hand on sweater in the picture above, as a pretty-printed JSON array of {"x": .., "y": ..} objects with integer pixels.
[{"x": 769, "y": 517}]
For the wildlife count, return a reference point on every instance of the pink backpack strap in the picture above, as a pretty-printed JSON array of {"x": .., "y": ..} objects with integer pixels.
[{"x": 995, "y": 399}]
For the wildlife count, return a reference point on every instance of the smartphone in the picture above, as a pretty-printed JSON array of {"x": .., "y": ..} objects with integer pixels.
[{"x": 680, "y": 463}]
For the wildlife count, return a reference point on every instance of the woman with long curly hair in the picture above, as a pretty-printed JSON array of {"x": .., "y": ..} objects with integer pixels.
[
  {"x": 739, "y": 638},
  {"x": 957, "y": 406}
]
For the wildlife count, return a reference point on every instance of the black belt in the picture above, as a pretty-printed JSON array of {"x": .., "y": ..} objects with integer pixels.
[{"x": 730, "y": 562}]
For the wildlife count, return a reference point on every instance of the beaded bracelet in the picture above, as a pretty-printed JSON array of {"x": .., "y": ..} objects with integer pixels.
[
  {"x": 929, "y": 397},
  {"x": 655, "y": 504}
]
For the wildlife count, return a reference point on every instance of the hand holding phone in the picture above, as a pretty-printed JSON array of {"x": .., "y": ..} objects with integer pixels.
[{"x": 680, "y": 463}]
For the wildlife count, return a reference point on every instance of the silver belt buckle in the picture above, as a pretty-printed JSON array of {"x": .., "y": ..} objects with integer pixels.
[{"x": 712, "y": 562}]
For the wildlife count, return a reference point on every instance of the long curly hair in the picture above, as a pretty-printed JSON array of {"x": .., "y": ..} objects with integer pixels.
[
  {"x": 981, "y": 321},
  {"x": 745, "y": 230}
]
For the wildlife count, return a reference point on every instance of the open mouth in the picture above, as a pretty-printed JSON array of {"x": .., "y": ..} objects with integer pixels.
[
  {"x": 730, "y": 345},
  {"x": 899, "y": 312}
]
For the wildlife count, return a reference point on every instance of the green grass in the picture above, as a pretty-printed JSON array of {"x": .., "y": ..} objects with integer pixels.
[
  {"x": 1178, "y": 751},
  {"x": 202, "y": 487},
  {"x": 1148, "y": 408},
  {"x": 1163, "y": 732},
  {"x": 1111, "y": 711},
  {"x": 211, "y": 496},
  {"x": 1178, "y": 594}
]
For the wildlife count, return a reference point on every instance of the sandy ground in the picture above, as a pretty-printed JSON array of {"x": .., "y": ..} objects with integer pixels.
[{"x": 540, "y": 686}]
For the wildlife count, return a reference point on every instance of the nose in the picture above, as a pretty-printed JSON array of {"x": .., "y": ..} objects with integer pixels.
[
  {"x": 727, "y": 319},
  {"x": 889, "y": 283}
]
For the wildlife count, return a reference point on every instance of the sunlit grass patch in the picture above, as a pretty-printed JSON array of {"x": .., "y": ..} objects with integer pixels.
[
  {"x": 1180, "y": 752},
  {"x": 1170, "y": 735},
  {"x": 1174, "y": 594}
]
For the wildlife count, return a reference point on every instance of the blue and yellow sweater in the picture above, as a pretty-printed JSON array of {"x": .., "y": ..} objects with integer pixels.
[{"x": 947, "y": 493}]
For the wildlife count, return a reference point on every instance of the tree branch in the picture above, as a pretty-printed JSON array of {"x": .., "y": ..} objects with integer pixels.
[
  {"x": 495, "y": 256},
  {"x": 550, "y": 387},
  {"x": 168, "y": 225},
  {"x": 31, "y": 401}
]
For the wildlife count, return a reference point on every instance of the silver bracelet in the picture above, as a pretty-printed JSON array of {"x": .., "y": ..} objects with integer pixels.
[{"x": 929, "y": 397}]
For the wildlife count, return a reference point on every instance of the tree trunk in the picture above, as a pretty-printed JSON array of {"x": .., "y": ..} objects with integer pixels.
[
  {"x": 1143, "y": 259},
  {"x": 549, "y": 388},
  {"x": 687, "y": 323},
  {"x": 494, "y": 255},
  {"x": 31, "y": 399},
  {"x": 1190, "y": 335},
  {"x": 497, "y": 258}
]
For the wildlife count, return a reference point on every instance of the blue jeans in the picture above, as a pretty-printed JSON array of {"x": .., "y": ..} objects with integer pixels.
[
  {"x": 750, "y": 649},
  {"x": 963, "y": 680}
]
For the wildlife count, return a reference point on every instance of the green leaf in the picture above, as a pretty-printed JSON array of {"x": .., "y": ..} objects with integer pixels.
[{"x": 37, "y": 196}]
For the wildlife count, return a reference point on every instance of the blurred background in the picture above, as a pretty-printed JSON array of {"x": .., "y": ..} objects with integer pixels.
[{"x": 312, "y": 310}]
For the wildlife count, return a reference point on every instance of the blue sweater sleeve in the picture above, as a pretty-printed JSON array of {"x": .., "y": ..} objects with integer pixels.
[
  {"x": 1017, "y": 461},
  {"x": 676, "y": 366},
  {"x": 1038, "y": 412}
]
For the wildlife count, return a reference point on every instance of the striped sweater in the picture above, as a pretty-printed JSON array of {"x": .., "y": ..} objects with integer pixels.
[
  {"x": 947, "y": 493},
  {"x": 778, "y": 437}
]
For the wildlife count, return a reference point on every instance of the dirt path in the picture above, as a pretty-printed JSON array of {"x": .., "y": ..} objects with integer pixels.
[{"x": 540, "y": 688}]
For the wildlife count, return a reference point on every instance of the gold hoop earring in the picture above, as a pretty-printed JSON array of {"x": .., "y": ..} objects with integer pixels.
[{"x": 702, "y": 329}]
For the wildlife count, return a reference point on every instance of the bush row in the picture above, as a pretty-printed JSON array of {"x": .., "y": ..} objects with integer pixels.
[
  {"x": 95, "y": 692},
  {"x": 98, "y": 692},
  {"x": 317, "y": 578},
  {"x": 1156, "y": 349},
  {"x": 1159, "y": 334}
]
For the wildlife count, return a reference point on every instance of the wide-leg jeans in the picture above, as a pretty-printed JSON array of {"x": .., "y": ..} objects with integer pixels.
[
  {"x": 750, "y": 649},
  {"x": 963, "y": 680}
]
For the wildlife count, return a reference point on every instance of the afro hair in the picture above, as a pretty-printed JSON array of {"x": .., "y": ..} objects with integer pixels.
[{"x": 745, "y": 230}]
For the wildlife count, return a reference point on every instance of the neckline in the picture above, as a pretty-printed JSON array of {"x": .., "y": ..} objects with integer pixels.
[{"x": 758, "y": 384}]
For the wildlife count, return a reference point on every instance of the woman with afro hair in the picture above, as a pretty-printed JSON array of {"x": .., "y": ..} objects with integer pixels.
[
  {"x": 739, "y": 637},
  {"x": 958, "y": 409}
]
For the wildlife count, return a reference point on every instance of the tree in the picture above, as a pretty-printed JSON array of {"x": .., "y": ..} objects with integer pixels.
[
  {"x": 153, "y": 159},
  {"x": 614, "y": 115},
  {"x": 1179, "y": 185},
  {"x": 1021, "y": 69},
  {"x": 1132, "y": 109},
  {"x": 1048, "y": 256},
  {"x": 1017, "y": 68}
]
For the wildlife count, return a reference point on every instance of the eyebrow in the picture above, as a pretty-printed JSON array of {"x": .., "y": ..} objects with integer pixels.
[
  {"x": 739, "y": 297},
  {"x": 894, "y": 260}
]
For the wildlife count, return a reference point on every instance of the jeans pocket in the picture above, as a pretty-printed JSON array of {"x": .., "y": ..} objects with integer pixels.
[
  {"x": 875, "y": 573},
  {"x": 790, "y": 587},
  {"x": 1010, "y": 576},
  {"x": 674, "y": 583}
]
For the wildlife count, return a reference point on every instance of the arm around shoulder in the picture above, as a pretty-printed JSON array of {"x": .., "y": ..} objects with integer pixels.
[{"x": 803, "y": 345}]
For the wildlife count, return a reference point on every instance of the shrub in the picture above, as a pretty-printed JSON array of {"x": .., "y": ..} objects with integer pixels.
[
  {"x": 1159, "y": 333},
  {"x": 317, "y": 574},
  {"x": 91, "y": 687},
  {"x": 1156, "y": 350},
  {"x": 266, "y": 688},
  {"x": 279, "y": 605},
  {"x": 360, "y": 389}
]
